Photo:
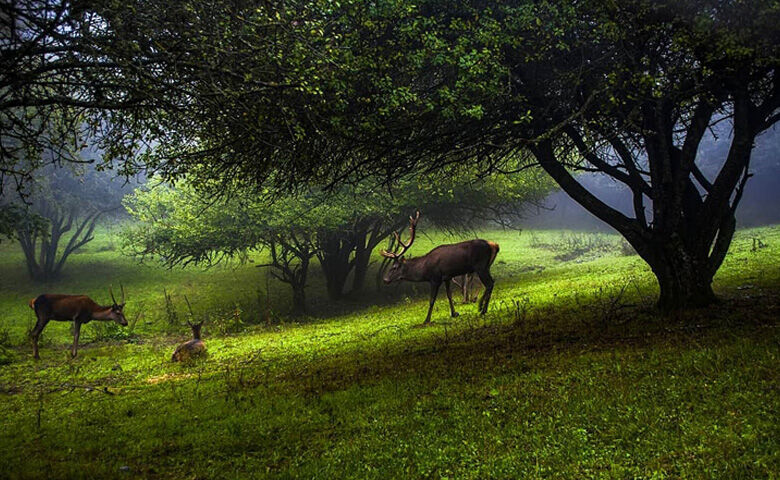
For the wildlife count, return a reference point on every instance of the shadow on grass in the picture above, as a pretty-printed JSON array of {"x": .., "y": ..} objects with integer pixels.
[{"x": 481, "y": 348}]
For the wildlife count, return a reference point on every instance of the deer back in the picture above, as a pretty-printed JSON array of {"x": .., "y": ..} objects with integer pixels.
[
  {"x": 189, "y": 350},
  {"x": 65, "y": 307},
  {"x": 447, "y": 261}
]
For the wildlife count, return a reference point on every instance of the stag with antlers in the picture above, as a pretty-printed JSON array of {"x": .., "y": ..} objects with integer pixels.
[
  {"x": 79, "y": 309},
  {"x": 443, "y": 263}
]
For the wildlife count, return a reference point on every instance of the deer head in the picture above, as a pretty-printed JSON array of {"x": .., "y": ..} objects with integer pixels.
[
  {"x": 195, "y": 327},
  {"x": 117, "y": 309},
  {"x": 398, "y": 267}
]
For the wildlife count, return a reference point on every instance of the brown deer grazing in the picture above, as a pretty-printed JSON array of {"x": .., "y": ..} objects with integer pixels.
[
  {"x": 79, "y": 309},
  {"x": 192, "y": 348},
  {"x": 442, "y": 264}
]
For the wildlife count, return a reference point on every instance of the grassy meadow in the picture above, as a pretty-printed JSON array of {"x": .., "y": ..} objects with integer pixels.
[{"x": 572, "y": 373}]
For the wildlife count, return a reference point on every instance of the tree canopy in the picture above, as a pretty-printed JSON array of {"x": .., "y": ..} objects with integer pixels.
[
  {"x": 150, "y": 81},
  {"x": 626, "y": 89}
]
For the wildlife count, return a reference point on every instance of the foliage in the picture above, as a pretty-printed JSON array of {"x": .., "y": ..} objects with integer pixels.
[
  {"x": 328, "y": 92},
  {"x": 135, "y": 74},
  {"x": 14, "y": 217}
]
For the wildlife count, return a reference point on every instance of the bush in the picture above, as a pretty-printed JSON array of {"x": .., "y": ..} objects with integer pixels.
[
  {"x": 229, "y": 322},
  {"x": 107, "y": 331}
]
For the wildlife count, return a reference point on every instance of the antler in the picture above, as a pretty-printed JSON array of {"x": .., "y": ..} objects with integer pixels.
[
  {"x": 192, "y": 315},
  {"x": 190, "y": 308},
  {"x": 404, "y": 246},
  {"x": 111, "y": 291}
]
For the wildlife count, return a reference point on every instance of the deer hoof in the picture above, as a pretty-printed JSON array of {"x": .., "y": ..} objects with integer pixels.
[{"x": 455, "y": 314}]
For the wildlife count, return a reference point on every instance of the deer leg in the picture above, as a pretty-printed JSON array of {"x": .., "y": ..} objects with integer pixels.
[
  {"x": 473, "y": 288},
  {"x": 487, "y": 280},
  {"x": 476, "y": 292},
  {"x": 434, "y": 291},
  {"x": 36, "y": 332},
  {"x": 453, "y": 313},
  {"x": 460, "y": 285},
  {"x": 76, "y": 331}
]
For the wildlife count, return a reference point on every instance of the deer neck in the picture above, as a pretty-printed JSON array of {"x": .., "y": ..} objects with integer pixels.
[
  {"x": 102, "y": 313},
  {"x": 413, "y": 270}
]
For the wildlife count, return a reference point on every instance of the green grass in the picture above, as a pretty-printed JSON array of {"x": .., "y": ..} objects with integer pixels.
[{"x": 566, "y": 377}]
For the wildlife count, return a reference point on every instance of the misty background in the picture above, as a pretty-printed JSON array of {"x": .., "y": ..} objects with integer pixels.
[{"x": 759, "y": 205}]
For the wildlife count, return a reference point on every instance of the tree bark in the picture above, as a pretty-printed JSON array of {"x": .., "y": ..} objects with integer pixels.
[
  {"x": 334, "y": 254},
  {"x": 335, "y": 278},
  {"x": 299, "y": 299},
  {"x": 362, "y": 260},
  {"x": 367, "y": 241},
  {"x": 684, "y": 278}
]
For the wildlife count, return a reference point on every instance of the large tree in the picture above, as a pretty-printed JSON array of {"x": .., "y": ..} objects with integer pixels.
[
  {"x": 643, "y": 106},
  {"x": 625, "y": 89}
]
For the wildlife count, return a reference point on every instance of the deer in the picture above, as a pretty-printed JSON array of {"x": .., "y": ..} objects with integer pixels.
[
  {"x": 441, "y": 265},
  {"x": 192, "y": 348},
  {"x": 79, "y": 309}
]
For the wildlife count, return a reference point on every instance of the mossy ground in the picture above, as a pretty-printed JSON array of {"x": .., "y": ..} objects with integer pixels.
[{"x": 572, "y": 374}]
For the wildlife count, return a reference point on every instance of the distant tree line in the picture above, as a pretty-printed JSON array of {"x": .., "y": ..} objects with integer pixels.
[
  {"x": 339, "y": 229},
  {"x": 60, "y": 214}
]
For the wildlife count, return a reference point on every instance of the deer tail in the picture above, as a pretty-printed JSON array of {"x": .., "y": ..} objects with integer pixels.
[
  {"x": 32, "y": 303},
  {"x": 494, "y": 248}
]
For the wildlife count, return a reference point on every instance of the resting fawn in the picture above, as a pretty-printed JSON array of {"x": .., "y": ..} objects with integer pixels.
[{"x": 192, "y": 348}]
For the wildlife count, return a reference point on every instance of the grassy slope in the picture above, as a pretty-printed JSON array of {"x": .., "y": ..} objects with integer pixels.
[{"x": 557, "y": 385}]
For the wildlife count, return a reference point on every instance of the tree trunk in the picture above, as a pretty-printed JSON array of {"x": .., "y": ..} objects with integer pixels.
[
  {"x": 299, "y": 298},
  {"x": 684, "y": 278},
  {"x": 362, "y": 260},
  {"x": 334, "y": 255},
  {"x": 367, "y": 240},
  {"x": 361, "y": 271},
  {"x": 688, "y": 238},
  {"x": 335, "y": 279}
]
